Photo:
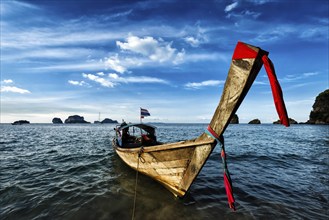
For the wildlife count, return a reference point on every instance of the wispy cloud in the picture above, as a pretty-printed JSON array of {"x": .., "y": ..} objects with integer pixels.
[
  {"x": 260, "y": 83},
  {"x": 102, "y": 81},
  {"x": 313, "y": 33},
  {"x": 199, "y": 37},
  {"x": 65, "y": 53},
  {"x": 14, "y": 89},
  {"x": 113, "y": 79},
  {"x": 260, "y": 2},
  {"x": 7, "y": 81},
  {"x": 78, "y": 66},
  {"x": 296, "y": 77},
  {"x": 198, "y": 85},
  {"x": 12, "y": 7},
  {"x": 115, "y": 64},
  {"x": 78, "y": 83},
  {"x": 136, "y": 79},
  {"x": 274, "y": 34},
  {"x": 231, "y": 6}
]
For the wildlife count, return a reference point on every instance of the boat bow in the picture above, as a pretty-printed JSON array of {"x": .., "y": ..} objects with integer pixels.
[{"x": 176, "y": 165}]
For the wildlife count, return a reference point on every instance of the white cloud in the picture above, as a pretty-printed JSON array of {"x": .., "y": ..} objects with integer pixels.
[
  {"x": 277, "y": 33},
  {"x": 14, "y": 90},
  {"x": 100, "y": 74},
  {"x": 314, "y": 33},
  {"x": 310, "y": 74},
  {"x": 78, "y": 83},
  {"x": 259, "y": 2},
  {"x": 192, "y": 41},
  {"x": 199, "y": 36},
  {"x": 113, "y": 75},
  {"x": 296, "y": 77},
  {"x": 156, "y": 50},
  {"x": 197, "y": 57},
  {"x": 78, "y": 66},
  {"x": 102, "y": 81},
  {"x": 198, "y": 85},
  {"x": 51, "y": 53},
  {"x": 115, "y": 64},
  {"x": 141, "y": 79},
  {"x": 259, "y": 83},
  {"x": 230, "y": 7},
  {"x": 12, "y": 7},
  {"x": 114, "y": 79},
  {"x": 136, "y": 79},
  {"x": 7, "y": 81}
]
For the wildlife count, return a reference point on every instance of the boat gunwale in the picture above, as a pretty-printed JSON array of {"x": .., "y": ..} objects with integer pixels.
[{"x": 169, "y": 146}]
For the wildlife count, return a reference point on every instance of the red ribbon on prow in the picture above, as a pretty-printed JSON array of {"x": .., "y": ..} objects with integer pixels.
[
  {"x": 229, "y": 191},
  {"x": 276, "y": 91},
  {"x": 242, "y": 51}
]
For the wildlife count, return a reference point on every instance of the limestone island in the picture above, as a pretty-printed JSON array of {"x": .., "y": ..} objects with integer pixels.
[
  {"x": 76, "y": 119},
  {"x": 57, "y": 121},
  {"x": 255, "y": 121},
  {"x": 235, "y": 119},
  {"x": 109, "y": 121},
  {"x": 320, "y": 112},
  {"x": 20, "y": 122},
  {"x": 291, "y": 121}
]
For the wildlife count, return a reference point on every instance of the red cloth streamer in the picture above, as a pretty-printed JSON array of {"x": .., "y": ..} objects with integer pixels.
[
  {"x": 229, "y": 192},
  {"x": 276, "y": 91},
  {"x": 242, "y": 51}
]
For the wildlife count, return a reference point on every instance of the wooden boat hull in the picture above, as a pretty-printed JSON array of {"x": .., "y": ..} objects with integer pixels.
[
  {"x": 177, "y": 165},
  {"x": 174, "y": 165}
]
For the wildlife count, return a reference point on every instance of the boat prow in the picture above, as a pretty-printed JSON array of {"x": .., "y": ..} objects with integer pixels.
[{"x": 176, "y": 165}]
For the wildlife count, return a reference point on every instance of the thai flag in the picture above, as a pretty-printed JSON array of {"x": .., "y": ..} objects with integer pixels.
[{"x": 144, "y": 113}]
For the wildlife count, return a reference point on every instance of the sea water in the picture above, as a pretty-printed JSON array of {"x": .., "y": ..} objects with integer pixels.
[{"x": 72, "y": 172}]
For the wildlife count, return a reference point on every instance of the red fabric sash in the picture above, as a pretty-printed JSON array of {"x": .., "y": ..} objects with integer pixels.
[
  {"x": 227, "y": 178},
  {"x": 229, "y": 191},
  {"x": 276, "y": 91},
  {"x": 242, "y": 51}
]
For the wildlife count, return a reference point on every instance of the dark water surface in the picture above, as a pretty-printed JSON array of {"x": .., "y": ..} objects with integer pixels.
[{"x": 72, "y": 172}]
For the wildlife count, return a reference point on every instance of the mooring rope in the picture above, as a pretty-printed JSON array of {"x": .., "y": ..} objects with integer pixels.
[{"x": 136, "y": 181}]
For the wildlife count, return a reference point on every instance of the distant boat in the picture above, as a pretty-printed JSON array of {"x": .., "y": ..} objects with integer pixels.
[{"x": 176, "y": 165}]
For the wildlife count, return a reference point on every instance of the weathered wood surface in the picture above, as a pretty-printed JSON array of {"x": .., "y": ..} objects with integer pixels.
[
  {"x": 241, "y": 76},
  {"x": 172, "y": 165},
  {"x": 176, "y": 165}
]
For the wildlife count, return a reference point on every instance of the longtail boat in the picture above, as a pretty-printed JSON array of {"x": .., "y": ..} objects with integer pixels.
[{"x": 176, "y": 165}]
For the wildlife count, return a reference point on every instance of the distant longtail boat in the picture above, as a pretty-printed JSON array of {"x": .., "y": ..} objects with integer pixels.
[{"x": 176, "y": 165}]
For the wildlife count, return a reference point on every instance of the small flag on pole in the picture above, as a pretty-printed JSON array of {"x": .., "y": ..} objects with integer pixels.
[{"x": 144, "y": 113}]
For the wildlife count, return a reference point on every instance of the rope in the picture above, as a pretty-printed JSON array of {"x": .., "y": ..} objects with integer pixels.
[
  {"x": 136, "y": 180},
  {"x": 227, "y": 179}
]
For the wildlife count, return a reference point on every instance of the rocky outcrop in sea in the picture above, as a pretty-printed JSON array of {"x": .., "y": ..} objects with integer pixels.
[
  {"x": 291, "y": 121},
  {"x": 20, "y": 122},
  {"x": 57, "y": 121},
  {"x": 109, "y": 121},
  {"x": 320, "y": 112},
  {"x": 235, "y": 119},
  {"x": 254, "y": 122},
  {"x": 75, "y": 119}
]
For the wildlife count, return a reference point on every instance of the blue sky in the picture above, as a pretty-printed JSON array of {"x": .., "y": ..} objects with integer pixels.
[{"x": 60, "y": 58}]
